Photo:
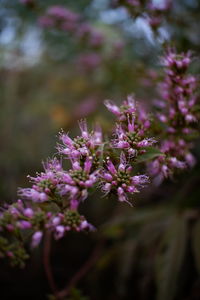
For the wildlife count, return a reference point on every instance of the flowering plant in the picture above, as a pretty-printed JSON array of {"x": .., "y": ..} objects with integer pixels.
[
  {"x": 115, "y": 211},
  {"x": 51, "y": 204}
]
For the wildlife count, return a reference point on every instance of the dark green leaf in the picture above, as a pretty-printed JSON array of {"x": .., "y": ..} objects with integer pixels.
[
  {"x": 125, "y": 264},
  {"x": 150, "y": 154},
  {"x": 196, "y": 244},
  {"x": 114, "y": 231},
  {"x": 140, "y": 216},
  {"x": 170, "y": 259}
]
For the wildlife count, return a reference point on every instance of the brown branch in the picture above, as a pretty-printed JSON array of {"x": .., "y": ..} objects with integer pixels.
[
  {"x": 82, "y": 271},
  {"x": 47, "y": 263}
]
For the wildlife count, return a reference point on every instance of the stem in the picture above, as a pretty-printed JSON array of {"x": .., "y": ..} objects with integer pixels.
[
  {"x": 47, "y": 263},
  {"x": 82, "y": 271}
]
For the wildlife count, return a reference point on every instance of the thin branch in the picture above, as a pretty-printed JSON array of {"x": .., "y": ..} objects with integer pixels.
[
  {"x": 47, "y": 263},
  {"x": 82, "y": 271}
]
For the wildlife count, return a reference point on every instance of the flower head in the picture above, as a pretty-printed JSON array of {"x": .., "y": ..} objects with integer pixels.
[
  {"x": 45, "y": 184},
  {"x": 87, "y": 144},
  {"x": 77, "y": 181},
  {"x": 119, "y": 179}
]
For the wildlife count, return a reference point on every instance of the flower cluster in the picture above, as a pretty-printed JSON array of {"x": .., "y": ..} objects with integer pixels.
[
  {"x": 77, "y": 182},
  {"x": 130, "y": 131},
  {"x": 89, "y": 61},
  {"x": 64, "y": 188},
  {"x": 63, "y": 19},
  {"x": 45, "y": 185},
  {"x": 70, "y": 220},
  {"x": 119, "y": 180},
  {"x": 68, "y": 21},
  {"x": 60, "y": 17},
  {"x": 176, "y": 156},
  {"x": 178, "y": 115},
  {"x": 93, "y": 40},
  {"x": 154, "y": 10},
  {"x": 132, "y": 127},
  {"x": 178, "y": 93},
  {"x": 52, "y": 202},
  {"x": 87, "y": 144},
  {"x": 68, "y": 188},
  {"x": 84, "y": 152},
  {"x": 18, "y": 219}
]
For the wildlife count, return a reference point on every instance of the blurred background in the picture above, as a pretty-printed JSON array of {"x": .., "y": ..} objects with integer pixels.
[{"x": 52, "y": 76}]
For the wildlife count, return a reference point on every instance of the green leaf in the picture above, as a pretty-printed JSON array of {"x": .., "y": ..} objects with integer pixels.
[
  {"x": 140, "y": 216},
  {"x": 76, "y": 294},
  {"x": 114, "y": 231},
  {"x": 196, "y": 244},
  {"x": 125, "y": 264},
  {"x": 150, "y": 154},
  {"x": 170, "y": 259},
  {"x": 107, "y": 257}
]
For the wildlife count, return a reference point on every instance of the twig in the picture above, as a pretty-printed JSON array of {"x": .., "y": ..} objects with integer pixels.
[
  {"x": 82, "y": 271},
  {"x": 47, "y": 264}
]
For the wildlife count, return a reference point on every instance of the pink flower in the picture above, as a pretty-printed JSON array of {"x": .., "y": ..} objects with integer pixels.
[
  {"x": 119, "y": 180},
  {"x": 36, "y": 238}
]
